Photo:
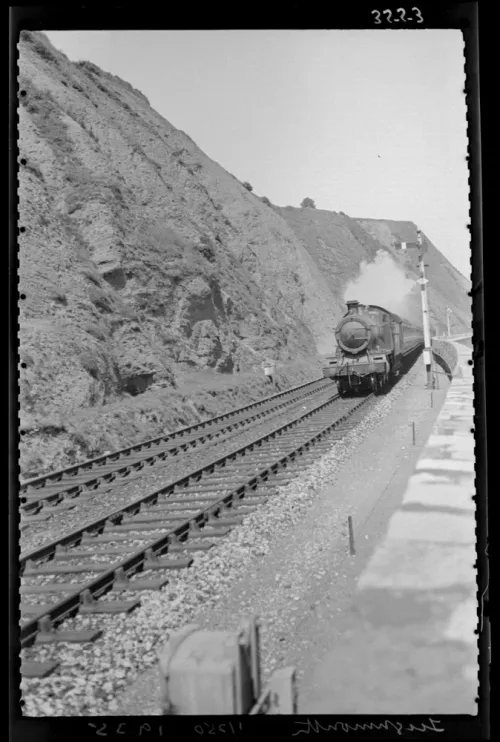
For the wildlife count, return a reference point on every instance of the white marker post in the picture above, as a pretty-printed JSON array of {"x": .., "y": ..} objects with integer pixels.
[{"x": 352, "y": 548}]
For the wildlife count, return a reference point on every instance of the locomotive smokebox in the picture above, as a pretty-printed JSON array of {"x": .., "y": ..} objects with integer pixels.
[{"x": 353, "y": 306}]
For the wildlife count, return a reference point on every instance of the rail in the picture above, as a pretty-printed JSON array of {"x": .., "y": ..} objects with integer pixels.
[
  {"x": 88, "y": 463},
  {"x": 172, "y": 539}
]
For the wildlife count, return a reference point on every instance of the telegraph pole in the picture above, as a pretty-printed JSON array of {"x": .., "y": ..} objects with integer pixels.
[{"x": 425, "y": 310}]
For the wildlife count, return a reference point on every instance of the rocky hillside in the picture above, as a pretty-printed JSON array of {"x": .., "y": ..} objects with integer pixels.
[{"x": 143, "y": 261}]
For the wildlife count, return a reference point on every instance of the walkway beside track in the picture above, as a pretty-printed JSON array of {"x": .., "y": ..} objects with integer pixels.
[{"x": 412, "y": 647}]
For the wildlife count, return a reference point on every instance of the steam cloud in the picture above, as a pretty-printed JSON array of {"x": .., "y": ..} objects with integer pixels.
[{"x": 383, "y": 282}]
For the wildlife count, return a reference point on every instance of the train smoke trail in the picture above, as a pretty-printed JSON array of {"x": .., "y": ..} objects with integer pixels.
[{"x": 383, "y": 282}]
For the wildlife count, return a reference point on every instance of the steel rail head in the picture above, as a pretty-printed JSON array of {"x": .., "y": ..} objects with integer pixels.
[
  {"x": 95, "y": 481},
  {"x": 42, "y": 479},
  {"x": 96, "y": 587},
  {"x": 73, "y": 537},
  {"x": 68, "y": 606}
]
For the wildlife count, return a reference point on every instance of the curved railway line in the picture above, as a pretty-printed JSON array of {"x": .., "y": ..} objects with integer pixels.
[
  {"x": 175, "y": 520},
  {"x": 52, "y": 492},
  {"x": 100, "y": 568}
]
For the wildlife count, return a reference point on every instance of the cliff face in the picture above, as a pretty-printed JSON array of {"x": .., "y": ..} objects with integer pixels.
[
  {"x": 142, "y": 257},
  {"x": 143, "y": 260}
]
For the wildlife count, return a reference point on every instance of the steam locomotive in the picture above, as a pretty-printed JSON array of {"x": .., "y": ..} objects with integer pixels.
[{"x": 371, "y": 345}]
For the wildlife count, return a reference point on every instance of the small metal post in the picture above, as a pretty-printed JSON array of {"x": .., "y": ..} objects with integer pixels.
[
  {"x": 413, "y": 430},
  {"x": 352, "y": 549}
]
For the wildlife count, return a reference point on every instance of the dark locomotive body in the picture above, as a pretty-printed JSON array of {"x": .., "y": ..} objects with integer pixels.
[{"x": 371, "y": 345}]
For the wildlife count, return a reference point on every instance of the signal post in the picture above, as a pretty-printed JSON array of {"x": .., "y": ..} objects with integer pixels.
[
  {"x": 421, "y": 246},
  {"x": 425, "y": 310}
]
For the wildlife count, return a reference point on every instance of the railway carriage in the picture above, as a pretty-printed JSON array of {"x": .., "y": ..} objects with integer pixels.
[{"x": 371, "y": 345}]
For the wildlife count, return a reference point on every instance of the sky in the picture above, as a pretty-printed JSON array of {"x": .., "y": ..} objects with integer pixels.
[{"x": 372, "y": 123}]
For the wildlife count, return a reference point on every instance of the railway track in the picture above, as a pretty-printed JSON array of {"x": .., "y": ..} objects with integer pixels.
[
  {"x": 57, "y": 491},
  {"x": 101, "y": 568}
]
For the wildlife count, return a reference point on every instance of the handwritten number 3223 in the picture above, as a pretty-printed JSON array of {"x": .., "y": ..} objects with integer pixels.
[{"x": 402, "y": 15}]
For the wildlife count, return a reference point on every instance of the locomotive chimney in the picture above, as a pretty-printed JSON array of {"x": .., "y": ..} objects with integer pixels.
[{"x": 353, "y": 306}]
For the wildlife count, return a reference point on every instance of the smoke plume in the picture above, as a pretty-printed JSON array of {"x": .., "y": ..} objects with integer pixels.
[{"x": 383, "y": 282}]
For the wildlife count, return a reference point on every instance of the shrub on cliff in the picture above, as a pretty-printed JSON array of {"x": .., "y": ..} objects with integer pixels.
[
  {"x": 308, "y": 203},
  {"x": 247, "y": 185},
  {"x": 206, "y": 248},
  {"x": 100, "y": 299}
]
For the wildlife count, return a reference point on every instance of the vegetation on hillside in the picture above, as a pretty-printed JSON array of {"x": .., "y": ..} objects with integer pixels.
[{"x": 145, "y": 264}]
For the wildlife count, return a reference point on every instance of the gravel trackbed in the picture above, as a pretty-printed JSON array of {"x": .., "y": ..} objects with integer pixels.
[{"x": 288, "y": 563}]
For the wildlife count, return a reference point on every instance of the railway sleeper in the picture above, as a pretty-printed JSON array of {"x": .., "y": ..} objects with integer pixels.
[
  {"x": 124, "y": 582},
  {"x": 239, "y": 510},
  {"x": 216, "y": 492},
  {"x": 54, "y": 587},
  {"x": 30, "y": 499},
  {"x": 264, "y": 488},
  {"x": 308, "y": 456},
  {"x": 90, "y": 605},
  {"x": 189, "y": 491},
  {"x": 64, "y": 569},
  {"x": 50, "y": 509},
  {"x": 155, "y": 517},
  {"x": 38, "y": 669},
  {"x": 220, "y": 476},
  {"x": 248, "y": 467},
  {"x": 213, "y": 480},
  {"x": 143, "y": 527},
  {"x": 283, "y": 477},
  {"x": 27, "y": 519},
  {"x": 228, "y": 521},
  {"x": 252, "y": 497},
  {"x": 148, "y": 512},
  {"x": 186, "y": 546},
  {"x": 104, "y": 539},
  {"x": 62, "y": 556},
  {"x": 48, "y": 635},
  {"x": 158, "y": 562},
  {"x": 202, "y": 499},
  {"x": 174, "y": 507},
  {"x": 256, "y": 472},
  {"x": 33, "y": 609},
  {"x": 209, "y": 531}
]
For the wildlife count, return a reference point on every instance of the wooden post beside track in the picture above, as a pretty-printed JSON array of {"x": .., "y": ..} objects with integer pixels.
[{"x": 352, "y": 548}]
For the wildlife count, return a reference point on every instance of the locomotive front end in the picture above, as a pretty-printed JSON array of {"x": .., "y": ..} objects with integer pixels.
[
  {"x": 353, "y": 335},
  {"x": 358, "y": 362}
]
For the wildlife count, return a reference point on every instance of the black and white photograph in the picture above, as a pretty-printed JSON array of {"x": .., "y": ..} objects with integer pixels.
[{"x": 246, "y": 461}]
